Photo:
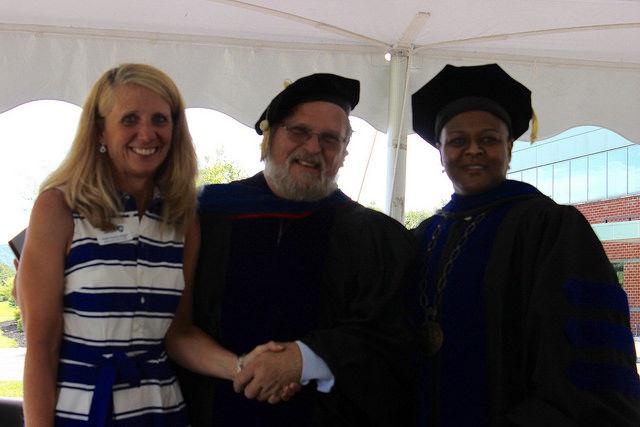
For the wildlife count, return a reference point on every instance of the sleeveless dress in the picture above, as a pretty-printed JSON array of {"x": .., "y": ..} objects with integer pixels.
[{"x": 120, "y": 294}]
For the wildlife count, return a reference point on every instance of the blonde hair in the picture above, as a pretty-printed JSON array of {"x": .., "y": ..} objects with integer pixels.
[{"x": 85, "y": 175}]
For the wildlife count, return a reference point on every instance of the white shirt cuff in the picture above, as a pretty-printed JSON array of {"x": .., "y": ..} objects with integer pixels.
[{"x": 314, "y": 368}]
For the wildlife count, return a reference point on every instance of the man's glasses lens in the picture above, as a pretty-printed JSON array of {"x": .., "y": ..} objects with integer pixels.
[{"x": 301, "y": 135}]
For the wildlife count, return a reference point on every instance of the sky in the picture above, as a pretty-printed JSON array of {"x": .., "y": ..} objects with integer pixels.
[{"x": 35, "y": 137}]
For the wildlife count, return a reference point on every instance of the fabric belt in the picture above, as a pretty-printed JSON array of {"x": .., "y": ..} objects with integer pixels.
[{"x": 114, "y": 365}]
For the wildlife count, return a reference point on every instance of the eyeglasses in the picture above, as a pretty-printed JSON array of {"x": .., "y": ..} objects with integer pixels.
[{"x": 301, "y": 134}]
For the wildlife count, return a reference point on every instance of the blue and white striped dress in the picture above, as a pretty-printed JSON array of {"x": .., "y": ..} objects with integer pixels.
[{"x": 120, "y": 294}]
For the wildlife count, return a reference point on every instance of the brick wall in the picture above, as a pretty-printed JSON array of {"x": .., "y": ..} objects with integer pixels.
[
  {"x": 611, "y": 210},
  {"x": 623, "y": 209},
  {"x": 620, "y": 251}
]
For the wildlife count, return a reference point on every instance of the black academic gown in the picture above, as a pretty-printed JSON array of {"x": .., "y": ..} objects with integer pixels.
[
  {"x": 544, "y": 339},
  {"x": 351, "y": 266}
]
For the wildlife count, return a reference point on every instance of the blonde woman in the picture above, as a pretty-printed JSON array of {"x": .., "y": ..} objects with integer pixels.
[{"x": 101, "y": 274}]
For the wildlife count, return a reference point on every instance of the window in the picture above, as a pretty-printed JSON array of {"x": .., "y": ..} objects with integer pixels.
[
  {"x": 545, "y": 180},
  {"x": 617, "y": 172},
  {"x": 587, "y": 163},
  {"x": 523, "y": 158},
  {"x": 561, "y": 182},
  {"x": 516, "y": 176},
  {"x": 597, "y": 176},
  {"x": 633, "y": 171},
  {"x": 529, "y": 176},
  {"x": 579, "y": 180},
  {"x": 548, "y": 153}
]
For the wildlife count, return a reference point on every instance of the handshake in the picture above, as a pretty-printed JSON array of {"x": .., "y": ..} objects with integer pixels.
[{"x": 270, "y": 372}]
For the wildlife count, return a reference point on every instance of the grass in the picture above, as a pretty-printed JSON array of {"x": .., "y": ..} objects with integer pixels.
[
  {"x": 6, "y": 342},
  {"x": 7, "y": 312},
  {"x": 11, "y": 388}
]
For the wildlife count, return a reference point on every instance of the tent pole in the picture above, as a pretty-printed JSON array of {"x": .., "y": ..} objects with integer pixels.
[{"x": 397, "y": 133}]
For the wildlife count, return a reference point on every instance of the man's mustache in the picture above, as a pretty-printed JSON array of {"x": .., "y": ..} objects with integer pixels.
[{"x": 301, "y": 155}]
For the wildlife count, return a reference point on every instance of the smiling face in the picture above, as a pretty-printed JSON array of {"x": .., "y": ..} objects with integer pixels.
[
  {"x": 475, "y": 151},
  {"x": 137, "y": 133},
  {"x": 307, "y": 170}
]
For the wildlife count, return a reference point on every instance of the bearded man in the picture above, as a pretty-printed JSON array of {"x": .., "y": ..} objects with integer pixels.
[{"x": 287, "y": 257}]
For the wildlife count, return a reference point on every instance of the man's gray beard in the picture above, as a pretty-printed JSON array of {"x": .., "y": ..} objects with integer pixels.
[{"x": 279, "y": 178}]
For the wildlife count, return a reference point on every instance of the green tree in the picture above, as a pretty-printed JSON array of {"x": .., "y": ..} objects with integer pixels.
[
  {"x": 618, "y": 267},
  {"x": 6, "y": 273},
  {"x": 5, "y": 292},
  {"x": 413, "y": 218},
  {"x": 221, "y": 172},
  {"x": 6, "y": 283},
  {"x": 371, "y": 205}
]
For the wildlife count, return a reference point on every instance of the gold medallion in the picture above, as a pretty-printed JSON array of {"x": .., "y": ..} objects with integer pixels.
[{"x": 431, "y": 337}]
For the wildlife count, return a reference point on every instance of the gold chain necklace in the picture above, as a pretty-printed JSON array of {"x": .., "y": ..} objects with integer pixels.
[{"x": 431, "y": 334}]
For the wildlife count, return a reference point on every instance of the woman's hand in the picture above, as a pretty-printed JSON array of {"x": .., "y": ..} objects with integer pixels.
[{"x": 283, "y": 394}]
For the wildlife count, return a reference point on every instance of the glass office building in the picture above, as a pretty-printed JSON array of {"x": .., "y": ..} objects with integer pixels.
[{"x": 581, "y": 165}]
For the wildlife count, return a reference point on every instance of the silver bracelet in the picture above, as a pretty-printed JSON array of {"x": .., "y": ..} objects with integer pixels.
[{"x": 240, "y": 362}]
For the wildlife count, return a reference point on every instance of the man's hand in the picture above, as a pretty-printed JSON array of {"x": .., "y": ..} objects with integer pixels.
[
  {"x": 287, "y": 393},
  {"x": 272, "y": 376}
]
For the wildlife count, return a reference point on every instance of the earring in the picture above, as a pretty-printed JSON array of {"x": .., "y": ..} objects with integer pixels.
[{"x": 103, "y": 148}]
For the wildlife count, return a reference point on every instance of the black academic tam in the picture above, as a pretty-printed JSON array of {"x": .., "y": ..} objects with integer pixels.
[
  {"x": 480, "y": 87},
  {"x": 342, "y": 91}
]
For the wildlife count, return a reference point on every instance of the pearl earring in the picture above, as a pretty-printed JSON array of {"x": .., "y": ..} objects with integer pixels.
[{"x": 103, "y": 148}]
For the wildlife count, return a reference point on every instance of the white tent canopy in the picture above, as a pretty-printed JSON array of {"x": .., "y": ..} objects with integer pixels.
[{"x": 581, "y": 59}]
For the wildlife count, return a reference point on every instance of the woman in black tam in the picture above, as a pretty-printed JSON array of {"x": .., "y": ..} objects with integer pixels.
[{"x": 521, "y": 318}]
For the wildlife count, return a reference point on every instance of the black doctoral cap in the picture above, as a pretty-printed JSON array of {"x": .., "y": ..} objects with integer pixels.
[
  {"x": 455, "y": 90},
  {"x": 339, "y": 90}
]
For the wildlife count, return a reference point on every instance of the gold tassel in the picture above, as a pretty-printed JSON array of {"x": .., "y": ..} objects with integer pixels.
[
  {"x": 264, "y": 145},
  {"x": 534, "y": 127},
  {"x": 264, "y": 127}
]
